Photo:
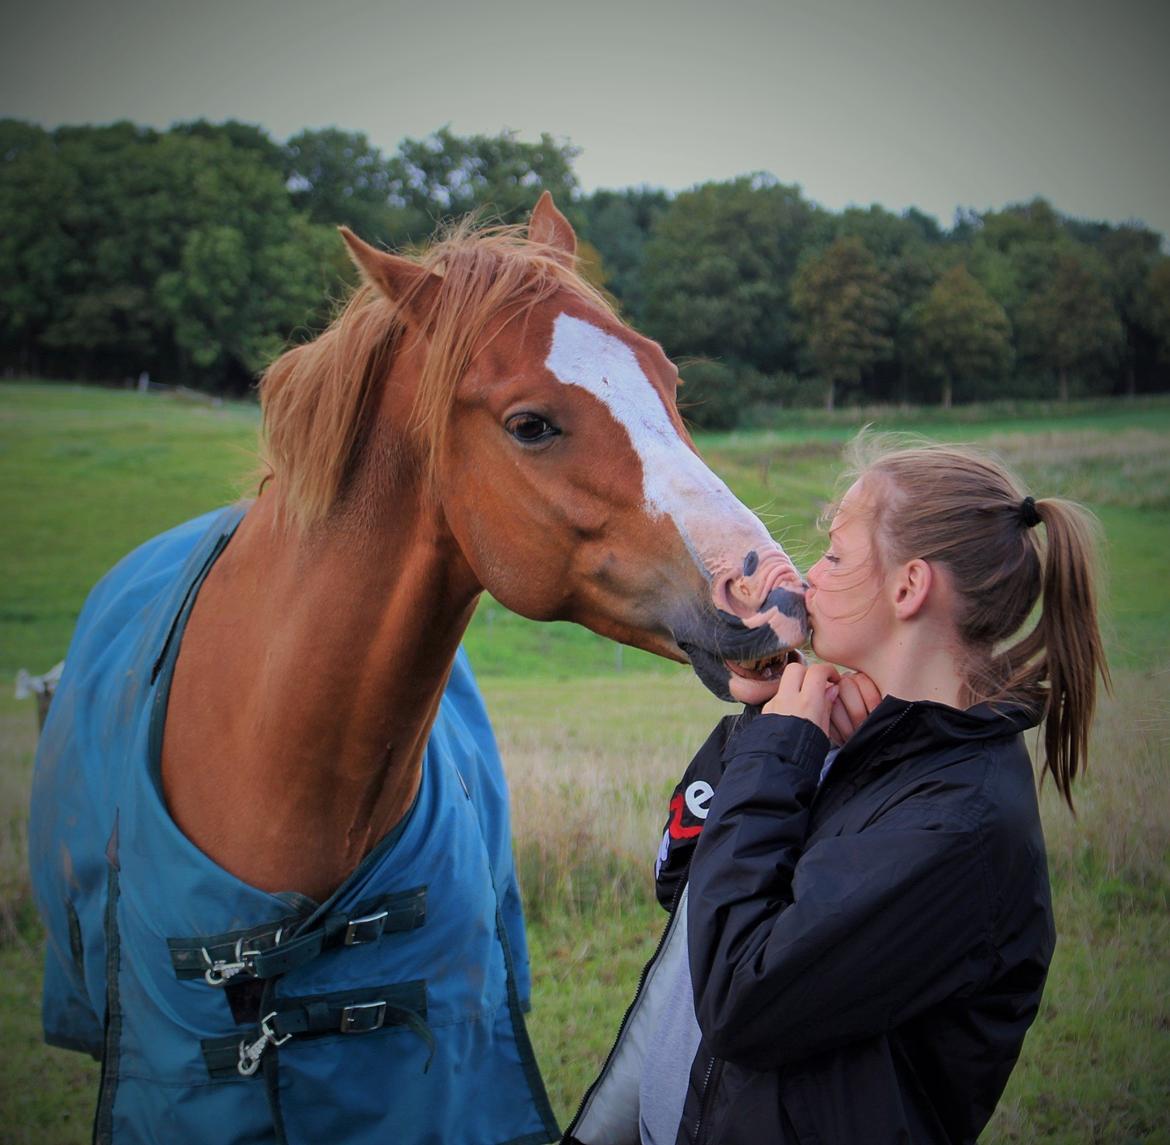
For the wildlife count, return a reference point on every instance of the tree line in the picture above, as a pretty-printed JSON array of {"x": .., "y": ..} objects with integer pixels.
[{"x": 197, "y": 253}]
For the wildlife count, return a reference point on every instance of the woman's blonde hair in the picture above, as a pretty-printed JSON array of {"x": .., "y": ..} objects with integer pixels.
[{"x": 1005, "y": 552}]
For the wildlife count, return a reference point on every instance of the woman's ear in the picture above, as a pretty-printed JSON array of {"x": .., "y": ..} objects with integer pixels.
[{"x": 912, "y": 588}]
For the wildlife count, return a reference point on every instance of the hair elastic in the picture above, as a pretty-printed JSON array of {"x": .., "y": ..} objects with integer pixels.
[{"x": 1028, "y": 513}]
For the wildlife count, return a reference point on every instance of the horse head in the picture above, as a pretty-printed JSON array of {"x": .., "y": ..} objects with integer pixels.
[{"x": 547, "y": 436}]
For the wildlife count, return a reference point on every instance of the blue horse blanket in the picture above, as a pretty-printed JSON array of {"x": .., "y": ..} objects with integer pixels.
[{"x": 393, "y": 1012}]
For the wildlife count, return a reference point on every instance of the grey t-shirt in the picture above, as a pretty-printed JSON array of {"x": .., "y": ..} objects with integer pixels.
[{"x": 667, "y": 1066}]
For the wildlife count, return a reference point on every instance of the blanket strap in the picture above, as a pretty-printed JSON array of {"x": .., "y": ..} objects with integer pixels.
[
  {"x": 264, "y": 952},
  {"x": 345, "y": 1012}
]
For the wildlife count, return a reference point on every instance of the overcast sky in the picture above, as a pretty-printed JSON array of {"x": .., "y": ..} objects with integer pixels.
[{"x": 926, "y": 103}]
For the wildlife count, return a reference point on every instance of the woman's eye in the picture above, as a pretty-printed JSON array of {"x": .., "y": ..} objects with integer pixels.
[
  {"x": 832, "y": 559},
  {"x": 530, "y": 428}
]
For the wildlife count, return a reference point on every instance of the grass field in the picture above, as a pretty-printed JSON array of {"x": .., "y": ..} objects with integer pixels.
[{"x": 594, "y": 738}]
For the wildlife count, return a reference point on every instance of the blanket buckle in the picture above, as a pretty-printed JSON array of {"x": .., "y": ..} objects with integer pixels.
[
  {"x": 366, "y": 929},
  {"x": 363, "y": 1018}
]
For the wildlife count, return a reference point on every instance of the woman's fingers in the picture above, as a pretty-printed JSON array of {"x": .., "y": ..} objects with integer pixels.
[
  {"x": 858, "y": 696},
  {"x": 841, "y": 726},
  {"x": 823, "y": 674},
  {"x": 870, "y": 694},
  {"x": 853, "y": 704},
  {"x": 791, "y": 679},
  {"x": 808, "y": 691}
]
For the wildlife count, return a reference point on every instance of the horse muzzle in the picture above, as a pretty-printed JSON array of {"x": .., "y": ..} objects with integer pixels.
[{"x": 742, "y": 658}]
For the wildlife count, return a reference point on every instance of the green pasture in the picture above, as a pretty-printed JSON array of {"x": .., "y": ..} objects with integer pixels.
[{"x": 594, "y": 737}]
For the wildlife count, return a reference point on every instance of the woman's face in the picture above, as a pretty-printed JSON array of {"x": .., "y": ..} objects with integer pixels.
[{"x": 852, "y": 618}]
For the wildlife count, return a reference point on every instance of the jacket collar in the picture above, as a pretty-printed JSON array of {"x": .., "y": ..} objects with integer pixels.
[{"x": 902, "y": 728}]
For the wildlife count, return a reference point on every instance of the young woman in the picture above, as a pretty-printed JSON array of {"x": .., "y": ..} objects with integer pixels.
[{"x": 869, "y": 929}]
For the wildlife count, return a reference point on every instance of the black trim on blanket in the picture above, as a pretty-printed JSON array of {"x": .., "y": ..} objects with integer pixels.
[
  {"x": 524, "y": 1046},
  {"x": 103, "y": 1125},
  {"x": 164, "y": 666}
]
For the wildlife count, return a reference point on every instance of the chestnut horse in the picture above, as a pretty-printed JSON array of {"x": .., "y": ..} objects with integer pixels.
[
  {"x": 475, "y": 419},
  {"x": 479, "y": 421}
]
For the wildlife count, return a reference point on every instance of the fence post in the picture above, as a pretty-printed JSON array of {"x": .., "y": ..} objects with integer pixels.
[{"x": 42, "y": 687}]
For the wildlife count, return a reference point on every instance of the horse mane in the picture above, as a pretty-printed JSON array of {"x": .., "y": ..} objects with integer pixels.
[{"x": 319, "y": 400}]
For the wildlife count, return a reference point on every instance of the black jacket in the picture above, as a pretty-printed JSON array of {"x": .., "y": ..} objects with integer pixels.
[{"x": 866, "y": 956}]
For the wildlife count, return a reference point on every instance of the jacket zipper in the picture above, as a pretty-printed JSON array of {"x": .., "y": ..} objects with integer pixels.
[
  {"x": 705, "y": 1098},
  {"x": 838, "y": 795}
]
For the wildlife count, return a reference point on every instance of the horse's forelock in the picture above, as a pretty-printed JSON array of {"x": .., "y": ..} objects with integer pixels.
[{"x": 319, "y": 399}]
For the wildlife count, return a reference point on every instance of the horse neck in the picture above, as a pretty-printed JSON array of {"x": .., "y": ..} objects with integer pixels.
[{"x": 307, "y": 683}]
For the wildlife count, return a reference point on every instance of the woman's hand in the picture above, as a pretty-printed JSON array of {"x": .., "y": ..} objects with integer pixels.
[
  {"x": 807, "y": 691},
  {"x": 857, "y": 696}
]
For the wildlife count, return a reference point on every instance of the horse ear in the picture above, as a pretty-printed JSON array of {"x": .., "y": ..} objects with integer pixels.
[
  {"x": 550, "y": 227},
  {"x": 399, "y": 279}
]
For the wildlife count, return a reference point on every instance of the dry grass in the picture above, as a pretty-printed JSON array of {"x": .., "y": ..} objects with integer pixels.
[
  {"x": 18, "y": 733},
  {"x": 590, "y": 773},
  {"x": 1121, "y": 832},
  {"x": 1128, "y": 468}
]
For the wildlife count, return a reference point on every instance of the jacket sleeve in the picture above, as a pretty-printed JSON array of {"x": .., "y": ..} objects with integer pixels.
[
  {"x": 795, "y": 952},
  {"x": 682, "y": 828}
]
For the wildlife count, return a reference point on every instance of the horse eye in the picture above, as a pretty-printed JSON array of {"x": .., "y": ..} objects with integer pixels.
[{"x": 530, "y": 428}]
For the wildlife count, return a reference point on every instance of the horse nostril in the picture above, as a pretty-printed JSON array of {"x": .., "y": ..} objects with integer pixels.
[{"x": 751, "y": 562}]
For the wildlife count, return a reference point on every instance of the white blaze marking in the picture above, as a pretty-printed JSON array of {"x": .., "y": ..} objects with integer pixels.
[{"x": 675, "y": 482}]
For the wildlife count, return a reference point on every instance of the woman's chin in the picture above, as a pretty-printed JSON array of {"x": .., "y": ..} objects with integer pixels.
[{"x": 820, "y": 651}]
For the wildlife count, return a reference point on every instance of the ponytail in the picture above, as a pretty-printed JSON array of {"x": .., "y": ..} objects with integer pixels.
[{"x": 1063, "y": 656}]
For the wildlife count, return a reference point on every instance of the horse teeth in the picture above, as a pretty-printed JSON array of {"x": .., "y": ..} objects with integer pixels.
[{"x": 767, "y": 666}]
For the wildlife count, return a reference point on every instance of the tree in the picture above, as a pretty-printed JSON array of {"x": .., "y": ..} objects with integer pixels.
[
  {"x": 959, "y": 332},
  {"x": 846, "y": 309},
  {"x": 1069, "y": 322},
  {"x": 447, "y": 175},
  {"x": 1156, "y": 305},
  {"x": 126, "y": 250},
  {"x": 1014, "y": 251},
  {"x": 908, "y": 250},
  {"x": 339, "y": 178},
  {"x": 241, "y": 136},
  {"x": 709, "y": 396},
  {"x": 35, "y": 247},
  {"x": 236, "y": 295},
  {"x": 717, "y": 269},
  {"x": 1127, "y": 253},
  {"x": 104, "y": 321},
  {"x": 618, "y": 224},
  {"x": 248, "y": 269}
]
